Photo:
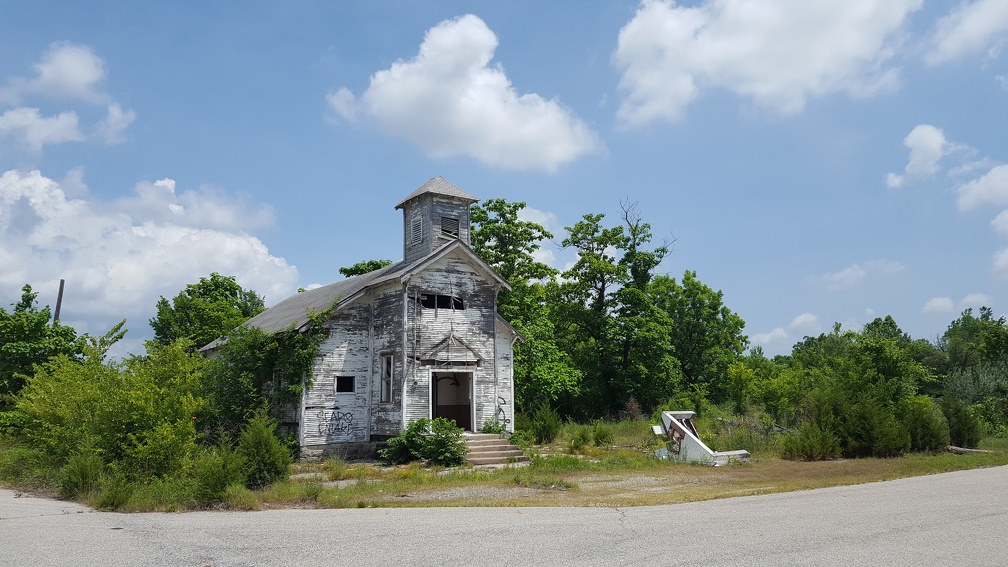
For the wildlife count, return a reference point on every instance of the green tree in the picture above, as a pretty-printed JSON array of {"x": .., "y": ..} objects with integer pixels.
[
  {"x": 205, "y": 311},
  {"x": 363, "y": 267},
  {"x": 27, "y": 339},
  {"x": 706, "y": 335},
  {"x": 543, "y": 372}
]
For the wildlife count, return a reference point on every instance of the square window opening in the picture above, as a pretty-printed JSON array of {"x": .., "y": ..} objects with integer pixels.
[{"x": 345, "y": 385}]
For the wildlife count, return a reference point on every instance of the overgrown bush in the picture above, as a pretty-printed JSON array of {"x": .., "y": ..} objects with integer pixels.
[
  {"x": 494, "y": 427},
  {"x": 444, "y": 446},
  {"x": 811, "y": 443},
  {"x": 264, "y": 456},
  {"x": 81, "y": 475},
  {"x": 581, "y": 436},
  {"x": 964, "y": 427},
  {"x": 438, "y": 441},
  {"x": 929, "y": 430},
  {"x": 214, "y": 470},
  {"x": 545, "y": 425},
  {"x": 602, "y": 434}
]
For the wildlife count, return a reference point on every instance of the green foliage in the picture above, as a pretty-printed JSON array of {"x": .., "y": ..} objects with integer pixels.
[
  {"x": 811, "y": 443},
  {"x": 27, "y": 339},
  {"x": 706, "y": 335},
  {"x": 204, "y": 311},
  {"x": 602, "y": 433},
  {"x": 444, "y": 446},
  {"x": 254, "y": 371},
  {"x": 364, "y": 267},
  {"x": 81, "y": 475},
  {"x": 438, "y": 441},
  {"x": 264, "y": 456},
  {"x": 215, "y": 469},
  {"x": 495, "y": 427},
  {"x": 12, "y": 423},
  {"x": 964, "y": 427},
  {"x": 137, "y": 415},
  {"x": 924, "y": 420},
  {"x": 544, "y": 425}
]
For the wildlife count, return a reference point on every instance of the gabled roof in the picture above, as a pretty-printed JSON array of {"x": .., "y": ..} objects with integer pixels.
[
  {"x": 439, "y": 186},
  {"x": 294, "y": 310}
]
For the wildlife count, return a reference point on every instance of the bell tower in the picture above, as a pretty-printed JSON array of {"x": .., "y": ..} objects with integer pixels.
[{"x": 436, "y": 214}]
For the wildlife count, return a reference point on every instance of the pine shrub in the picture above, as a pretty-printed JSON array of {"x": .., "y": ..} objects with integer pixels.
[{"x": 264, "y": 456}]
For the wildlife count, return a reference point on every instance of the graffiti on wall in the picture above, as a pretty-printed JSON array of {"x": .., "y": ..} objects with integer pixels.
[{"x": 335, "y": 421}]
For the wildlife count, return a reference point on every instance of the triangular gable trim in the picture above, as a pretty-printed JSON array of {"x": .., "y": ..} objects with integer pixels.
[{"x": 474, "y": 259}]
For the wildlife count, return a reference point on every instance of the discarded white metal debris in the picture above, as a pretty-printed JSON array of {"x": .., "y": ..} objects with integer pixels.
[{"x": 685, "y": 445}]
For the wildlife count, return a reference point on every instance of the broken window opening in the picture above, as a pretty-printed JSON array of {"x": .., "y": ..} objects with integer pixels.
[
  {"x": 434, "y": 301},
  {"x": 386, "y": 378},
  {"x": 450, "y": 226}
]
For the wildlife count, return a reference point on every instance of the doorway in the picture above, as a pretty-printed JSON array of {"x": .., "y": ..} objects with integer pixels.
[{"x": 451, "y": 397}]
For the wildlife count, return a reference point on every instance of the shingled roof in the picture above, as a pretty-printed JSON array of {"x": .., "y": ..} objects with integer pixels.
[
  {"x": 293, "y": 311},
  {"x": 439, "y": 186}
]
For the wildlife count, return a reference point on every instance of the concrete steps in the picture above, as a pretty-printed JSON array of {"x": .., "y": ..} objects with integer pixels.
[{"x": 492, "y": 449}]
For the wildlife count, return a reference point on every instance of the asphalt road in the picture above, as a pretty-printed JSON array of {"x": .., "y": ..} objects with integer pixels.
[{"x": 958, "y": 518}]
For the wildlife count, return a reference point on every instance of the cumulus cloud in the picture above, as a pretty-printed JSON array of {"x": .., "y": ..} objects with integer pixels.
[
  {"x": 450, "y": 100},
  {"x": 66, "y": 72},
  {"x": 1001, "y": 262},
  {"x": 976, "y": 300},
  {"x": 779, "y": 53},
  {"x": 970, "y": 28},
  {"x": 804, "y": 322},
  {"x": 776, "y": 336},
  {"x": 32, "y": 130},
  {"x": 927, "y": 146},
  {"x": 857, "y": 273},
  {"x": 991, "y": 187},
  {"x": 1000, "y": 222},
  {"x": 938, "y": 305},
  {"x": 119, "y": 258}
]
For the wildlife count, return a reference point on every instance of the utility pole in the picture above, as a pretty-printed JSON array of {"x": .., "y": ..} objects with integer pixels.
[{"x": 59, "y": 302}]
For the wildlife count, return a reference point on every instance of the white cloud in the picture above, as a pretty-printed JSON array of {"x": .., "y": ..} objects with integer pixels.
[
  {"x": 1001, "y": 262},
  {"x": 546, "y": 219},
  {"x": 970, "y": 28},
  {"x": 927, "y": 146},
  {"x": 450, "y": 100},
  {"x": 777, "y": 336},
  {"x": 65, "y": 72},
  {"x": 1000, "y": 222},
  {"x": 32, "y": 130},
  {"x": 976, "y": 300},
  {"x": 805, "y": 321},
  {"x": 115, "y": 123},
  {"x": 992, "y": 187},
  {"x": 779, "y": 53},
  {"x": 938, "y": 305},
  {"x": 118, "y": 259},
  {"x": 857, "y": 273}
]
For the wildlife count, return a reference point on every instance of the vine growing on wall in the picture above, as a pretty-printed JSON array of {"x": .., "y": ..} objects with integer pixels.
[{"x": 258, "y": 371}]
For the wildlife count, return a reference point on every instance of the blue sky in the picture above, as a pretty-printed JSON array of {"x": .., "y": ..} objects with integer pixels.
[{"x": 817, "y": 161}]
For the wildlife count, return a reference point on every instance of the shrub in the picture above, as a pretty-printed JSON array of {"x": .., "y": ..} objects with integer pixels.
[
  {"x": 581, "y": 436},
  {"x": 81, "y": 475},
  {"x": 215, "y": 469},
  {"x": 115, "y": 493},
  {"x": 928, "y": 428},
  {"x": 545, "y": 425},
  {"x": 811, "y": 443},
  {"x": 12, "y": 423},
  {"x": 602, "y": 434},
  {"x": 494, "y": 427},
  {"x": 265, "y": 457},
  {"x": 439, "y": 442},
  {"x": 444, "y": 446},
  {"x": 408, "y": 445},
  {"x": 964, "y": 427}
]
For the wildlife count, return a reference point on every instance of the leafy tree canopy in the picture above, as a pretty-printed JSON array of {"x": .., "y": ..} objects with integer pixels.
[
  {"x": 363, "y": 267},
  {"x": 205, "y": 311},
  {"x": 27, "y": 338}
]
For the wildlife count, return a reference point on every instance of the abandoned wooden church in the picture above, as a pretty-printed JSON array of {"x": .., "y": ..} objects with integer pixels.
[{"x": 419, "y": 338}]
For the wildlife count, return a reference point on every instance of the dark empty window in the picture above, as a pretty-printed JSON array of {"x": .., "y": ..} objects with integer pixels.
[
  {"x": 450, "y": 226},
  {"x": 433, "y": 301},
  {"x": 344, "y": 384}
]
